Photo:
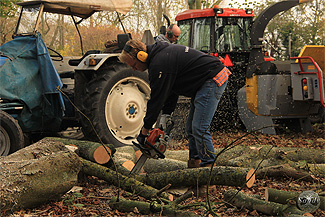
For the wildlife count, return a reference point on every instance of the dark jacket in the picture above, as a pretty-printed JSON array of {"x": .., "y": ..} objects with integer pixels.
[{"x": 175, "y": 70}]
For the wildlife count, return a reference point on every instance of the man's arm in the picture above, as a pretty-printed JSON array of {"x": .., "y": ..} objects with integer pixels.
[
  {"x": 170, "y": 103},
  {"x": 161, "y": 84}
]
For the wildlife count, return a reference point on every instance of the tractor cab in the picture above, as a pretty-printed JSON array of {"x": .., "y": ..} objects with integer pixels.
[{"x": 222, "y": 32}]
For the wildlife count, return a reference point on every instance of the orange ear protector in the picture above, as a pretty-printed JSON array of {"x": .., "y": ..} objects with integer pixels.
[{"x": 140, "y": 55}]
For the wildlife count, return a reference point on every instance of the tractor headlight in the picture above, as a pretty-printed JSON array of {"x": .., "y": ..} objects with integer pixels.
[
  {"x": 249, "y": 11},
  {"x": 92, "y": 61},
  {"x": 218, "y": 10}
]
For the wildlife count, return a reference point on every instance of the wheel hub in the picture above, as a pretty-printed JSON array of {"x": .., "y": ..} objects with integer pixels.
[{"x": 132, "y": 110}]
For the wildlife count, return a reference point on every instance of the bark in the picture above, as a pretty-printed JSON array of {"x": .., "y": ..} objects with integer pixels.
[
  {"x": 317, "y": 169},
  {"x": 126, "y": 152},
  {"x": 284, "y": 197},
  {"x": 283, "y": 171},
  {"x": 122, "y": 162},
  {"x": 147, "y": 208},
  {"x": 126, "y": 183},
  {"x": 121, "y": 169},
  {"x": 306, "y": 154},
  {"x": 181, "y": 155},
  {"x": 163, "y": 165},
  {"x": 92, "y": 151},
  {"x": 270, "y": 208},
  {"x": 36, "y": 175},
  {"x": 230, "y": 176},
  {"x": 222, "y": 160},
  {"x": 125, "y": 157},
  {"x": 39, "y": 149},
  {"x": 250, "y": 156}
]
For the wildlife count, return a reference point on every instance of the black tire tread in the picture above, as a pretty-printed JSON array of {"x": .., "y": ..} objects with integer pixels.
[
  {"x": 92, "y": 103},
  {"x": 14, "y": 131}
]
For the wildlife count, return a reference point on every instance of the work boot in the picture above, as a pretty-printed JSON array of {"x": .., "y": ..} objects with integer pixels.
[
  {"x": 201, "y": 190},
  {"x": 193, "y": 163},
  {"x": 208, "y": 165}
]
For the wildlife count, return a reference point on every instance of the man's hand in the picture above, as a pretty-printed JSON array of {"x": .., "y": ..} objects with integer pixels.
[
  {"x": 164, "y": 121},
  {"x": 141, "y": 138}
]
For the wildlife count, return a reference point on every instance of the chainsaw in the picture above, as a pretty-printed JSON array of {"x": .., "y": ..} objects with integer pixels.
[{"x": 154, "y": 146}]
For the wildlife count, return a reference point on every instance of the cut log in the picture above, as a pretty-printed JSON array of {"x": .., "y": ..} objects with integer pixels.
[
  {"x": 250, "y": 156},
  {"x": 181, "y": 155},
  {"x": 317, "y": 169},
  {"x": 163, "y": 165},
  {"x": 124, "y": 156},
  {"x": 283, "y": 171},
  {"x": 284, "y": 197},
  {"x": 121, "y": 162},
  {"x": 126, "y": 183},
  {"x": 45, "y": 176},
  {"x": 307, "y": 154},
  {"x": 125, "y": 152},
  {"x": 222, "y": 160},
  {"x": 230, "y": 176},
  {"x": 39, "y": 149},
  {"x": 145, "y": 208},
  {"x": 240, "y": 199},
  {"x": 128, "y": 165},
  {"x": 92, "y": 151}
]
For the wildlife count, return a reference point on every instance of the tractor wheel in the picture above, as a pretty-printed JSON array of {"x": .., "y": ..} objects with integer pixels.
[
  {"x": 115, "y": 105},
  {"x": 11, "y": 135}
]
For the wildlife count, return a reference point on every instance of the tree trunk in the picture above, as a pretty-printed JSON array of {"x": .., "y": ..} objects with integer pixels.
[
  {"x": 163, "y": 165},
  {"x": 181, "y": 155},
  {"x": 126, "y": 152},
  {"x": 37, "y": 174},
  {"x": 39, "y": 149},
  {"x": 283, "y": 197},
  {"x": 251, "y": 156},
  {"x": 317, "y": 169},
  {"x": 147, "y": 208},
  {"x": 92, "y": 151},
  {"x": 126, "y": 183},
  {"x": 283, "y": 171},
  {"x": 243, "y": 200},
  {"x": 230, "y": 176}
]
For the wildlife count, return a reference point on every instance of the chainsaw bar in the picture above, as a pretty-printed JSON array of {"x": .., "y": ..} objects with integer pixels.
[
  {"x": 139, "y": 164},
  {"x": 156, "y": 140},
  {"x": 151, "y": 152}
]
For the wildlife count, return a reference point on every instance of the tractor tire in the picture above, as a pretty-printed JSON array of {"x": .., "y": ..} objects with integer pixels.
[
  {"x": 11, "y": 135},
  {"x": 115, "y": 105}
]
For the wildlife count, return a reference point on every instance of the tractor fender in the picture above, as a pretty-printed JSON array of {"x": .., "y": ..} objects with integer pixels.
[{"x": 93, "y": 62}]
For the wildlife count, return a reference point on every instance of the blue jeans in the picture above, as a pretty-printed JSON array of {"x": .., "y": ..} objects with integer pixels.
[{"x": 203, "y": 107}]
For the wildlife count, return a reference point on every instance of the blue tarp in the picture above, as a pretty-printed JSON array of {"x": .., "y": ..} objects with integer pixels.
[{"x": 29, "y": 76}]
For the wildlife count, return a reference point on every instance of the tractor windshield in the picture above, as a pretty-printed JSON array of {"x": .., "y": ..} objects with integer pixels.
[
  {"x": 202, "y": 34},
  {"x": 27, "y": 20},
  {"x": 223, "y": 34},
  {"x": 201, "y": 30},
  {"x": 232, "y": 34}
]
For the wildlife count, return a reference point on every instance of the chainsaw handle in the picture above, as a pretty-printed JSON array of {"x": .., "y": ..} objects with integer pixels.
[{"x": 169, "y": 127}]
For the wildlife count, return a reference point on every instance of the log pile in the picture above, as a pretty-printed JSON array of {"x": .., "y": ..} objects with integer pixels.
[{"x": 49, "y": 168}]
